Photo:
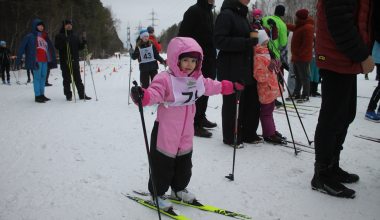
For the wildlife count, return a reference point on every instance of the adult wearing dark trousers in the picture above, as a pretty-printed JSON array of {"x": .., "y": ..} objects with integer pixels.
[
  {"x": 371, "y": 114},
  {"x": 235, "y": 62},
  {"x": 198, "y": 24},
  {"x": 343, "y": 46},
  {"x": 302, "y": 52},
  {"x": 75, "y": 46}
]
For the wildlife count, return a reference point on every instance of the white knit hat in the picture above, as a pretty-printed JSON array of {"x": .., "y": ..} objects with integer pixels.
[{"x": 262, "y": 36}]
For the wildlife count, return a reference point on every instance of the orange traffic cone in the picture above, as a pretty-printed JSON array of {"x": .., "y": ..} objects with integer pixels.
[
  {"x": 98, "y": 69},
  {"x": 114, "y": 69},
  {"x": 81, "y": 70}
]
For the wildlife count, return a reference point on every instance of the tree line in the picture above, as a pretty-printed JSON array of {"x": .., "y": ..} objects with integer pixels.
[
  {"x": 267, "y": 7},
  {"x": 99, "y": 22}
]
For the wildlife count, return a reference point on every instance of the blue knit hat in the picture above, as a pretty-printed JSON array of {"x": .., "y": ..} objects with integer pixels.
[
  {"x": 2, "y": 43},
  {"x": 144, "y": 33}
]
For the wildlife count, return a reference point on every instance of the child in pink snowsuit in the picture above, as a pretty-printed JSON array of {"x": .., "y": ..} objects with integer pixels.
[
  {"x": 264, "y": 71},
  {"x": 172, "y": 137}
]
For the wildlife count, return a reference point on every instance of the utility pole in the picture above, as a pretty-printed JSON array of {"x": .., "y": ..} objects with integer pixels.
[
  {"x": 128, "y": 35},
  {"x": 153, "y": 19},
  {"x": 138, "y": 28}
]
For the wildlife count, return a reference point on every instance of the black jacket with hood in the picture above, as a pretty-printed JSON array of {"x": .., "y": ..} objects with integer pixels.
[
  {"x": 75, "y": 47},
  {"x": 198, "y": 24},
  {"x": 5, "y": 56},
  {"x": 232, "y": 28}
]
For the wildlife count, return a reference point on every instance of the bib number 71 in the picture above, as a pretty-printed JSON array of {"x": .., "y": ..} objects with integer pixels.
[{"x": 190, "y": 94}]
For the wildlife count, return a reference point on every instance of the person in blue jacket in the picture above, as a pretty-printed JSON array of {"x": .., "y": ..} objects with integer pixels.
[{"x": 39, "y": 51}]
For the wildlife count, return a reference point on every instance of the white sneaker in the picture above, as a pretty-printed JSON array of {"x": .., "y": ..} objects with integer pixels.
[
  {"x": 164, "y": 203},
  {"x": 183, "y": 195}
]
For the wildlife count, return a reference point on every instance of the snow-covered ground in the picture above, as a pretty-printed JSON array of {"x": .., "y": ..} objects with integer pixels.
[{"x": 67, "y": 160}]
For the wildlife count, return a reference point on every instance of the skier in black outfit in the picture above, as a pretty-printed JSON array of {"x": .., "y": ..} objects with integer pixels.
[
  {"x": 198, "y": 24},
  {"x": 5, "y": 56},
  {"x": 75, "y": 47},
  {"x": 235, "y": 62},
  {"x": 147, "y": 58}
]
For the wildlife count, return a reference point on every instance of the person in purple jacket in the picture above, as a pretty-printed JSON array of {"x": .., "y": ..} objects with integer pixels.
[{"x": 172, "y": 137}]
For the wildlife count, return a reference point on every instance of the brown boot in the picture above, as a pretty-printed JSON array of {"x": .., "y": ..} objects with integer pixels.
[
  {"x": 208, "y": 124},
  {"x": 201, "y": 132}
]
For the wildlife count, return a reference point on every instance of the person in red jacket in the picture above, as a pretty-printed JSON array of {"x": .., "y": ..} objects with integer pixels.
[
  {"x": 302, "y": 52},
  {"x": 342, "y": 49},
  {"x": 152, "y": 37}
]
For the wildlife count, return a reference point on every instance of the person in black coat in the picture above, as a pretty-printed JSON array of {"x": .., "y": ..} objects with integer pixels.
[
  {"x": 235, "y": 62},
  {"x": 147, "y": 54},
  {"x": 5, "y": 57},
  {"x": 198, "y": 24},
  {"x": 75, "y": 46}
]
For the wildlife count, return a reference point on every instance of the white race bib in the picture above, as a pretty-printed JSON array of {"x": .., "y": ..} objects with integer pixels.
[
  {"x": 186, "y": 90},
  {"x": 146, "y": 54}
]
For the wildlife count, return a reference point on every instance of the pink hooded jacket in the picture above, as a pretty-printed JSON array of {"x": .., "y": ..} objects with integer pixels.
[{"x": 176, "y": 129}]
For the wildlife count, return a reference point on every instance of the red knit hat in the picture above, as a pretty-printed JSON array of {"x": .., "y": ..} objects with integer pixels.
[{"x": 302, "y": 14}]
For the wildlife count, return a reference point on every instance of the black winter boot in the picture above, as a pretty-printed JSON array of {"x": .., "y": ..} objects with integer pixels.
[
  {"x": 208, "y": 124},
  {"x": 341, "y": 175},
  {"x": 199, "y": 131},
  {"x": 45, "y": 98},
  {"x": 324, "y": 181},
  {"x": 39, "y": 99}
]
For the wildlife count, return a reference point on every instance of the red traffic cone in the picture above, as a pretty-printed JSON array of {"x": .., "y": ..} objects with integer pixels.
[
  {"x": 114, "y": 69},
  {"x": 81, "y": 70},
  {"x": 98, "y": 69}
]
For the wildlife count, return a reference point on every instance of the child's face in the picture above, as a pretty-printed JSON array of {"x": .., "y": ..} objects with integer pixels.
[
  {"x": 40, "y": 27},
  {"x": 264, "y": 44},
  {"x": 188, "y": 64},
  {"x": 145, "y": 39},
  {"x": 4, "y": 45}
]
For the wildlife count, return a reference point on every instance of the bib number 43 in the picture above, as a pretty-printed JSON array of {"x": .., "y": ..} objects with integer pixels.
[{"x": 148, "y": 56}]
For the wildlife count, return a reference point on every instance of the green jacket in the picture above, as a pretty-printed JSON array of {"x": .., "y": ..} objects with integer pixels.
[{"x": 282, "y": 39}]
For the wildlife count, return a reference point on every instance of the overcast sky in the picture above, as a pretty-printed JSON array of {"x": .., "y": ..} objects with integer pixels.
[{"x": 169, "y": 12}]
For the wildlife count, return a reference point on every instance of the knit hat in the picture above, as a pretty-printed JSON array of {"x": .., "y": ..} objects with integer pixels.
[
  {"x": 257, "y": 12},
  {"x": 194, "y": 55},
  {"x": 280, "y": 10},
  {"x": 2, "y": 43},
  {"x": 150, "y": 30},
  {"x": 144, "y": 33},
  {"x": 263, "y": 36},
  {"x": 67, "y": 22},
  {"x": 302, "y": 14}
]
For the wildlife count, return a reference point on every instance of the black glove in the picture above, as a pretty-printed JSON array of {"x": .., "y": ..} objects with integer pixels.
[
  {"x": 85, "y": 42},
  {"x": 137, "y": 94},
  {"x": 67, "y": 39},
  {"x": 253, "y": 41},
  {"x": 165, "y": 64},
  {"x": 271, "y": 22},
  {"x": 159, "y": 42}
]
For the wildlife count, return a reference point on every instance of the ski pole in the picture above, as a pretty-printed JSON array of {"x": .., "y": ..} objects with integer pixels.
[
  {"x": 310, "y": 142},
  {"x": 85, "y": 52},
  {"x": 139, "y": 101},
  {"x": 130, "y": 73},
  {"x": 287, "y": 118},
  {"x": 232, "y": 175},
  {"x": 93, "y": 83}
]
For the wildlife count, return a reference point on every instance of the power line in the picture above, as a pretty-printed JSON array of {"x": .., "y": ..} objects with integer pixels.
[
  {"x": 163, "y": 7},
  {"x": 176, "y": 9}
]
